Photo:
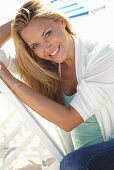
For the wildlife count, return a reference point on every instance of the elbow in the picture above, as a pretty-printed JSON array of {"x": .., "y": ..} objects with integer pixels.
[
  {"x": 71, "y": 125},
  {"x": 68, "y": 128},
  {"x": 71, "y": 121}
]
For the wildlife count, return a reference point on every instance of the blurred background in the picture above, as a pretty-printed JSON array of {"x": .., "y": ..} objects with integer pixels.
[{"x": 97, "y": 24}]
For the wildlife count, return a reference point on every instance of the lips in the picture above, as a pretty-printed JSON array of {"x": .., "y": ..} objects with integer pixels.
[{"x": 54, "y": 54}]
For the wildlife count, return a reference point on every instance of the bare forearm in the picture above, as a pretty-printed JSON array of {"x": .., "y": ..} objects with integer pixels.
[
  {"x": 47, "y": 108},
  {"x": 56, "y": 113},
  {"x": 5, "y": 33}
]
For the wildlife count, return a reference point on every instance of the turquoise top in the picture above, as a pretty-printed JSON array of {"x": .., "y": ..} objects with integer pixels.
[{"x": 87, "y": 133}]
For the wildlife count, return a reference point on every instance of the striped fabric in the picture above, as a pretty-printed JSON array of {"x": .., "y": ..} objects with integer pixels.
[{"x": 75, "y": 8}]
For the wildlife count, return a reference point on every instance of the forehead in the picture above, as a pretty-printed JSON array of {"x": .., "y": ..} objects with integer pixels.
[
  {"x": 37, "y": 26},
  {"x": 40, "y": 24},
  {"x": 35, "y": 29}
]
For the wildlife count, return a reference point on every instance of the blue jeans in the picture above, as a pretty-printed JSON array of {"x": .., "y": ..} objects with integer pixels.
[{"x": 95, "y": 157}]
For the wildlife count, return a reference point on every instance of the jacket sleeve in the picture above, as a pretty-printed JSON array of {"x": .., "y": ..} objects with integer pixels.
[
  {"x": 9, "y": 61},
  {"x": 96, "y": 88}
]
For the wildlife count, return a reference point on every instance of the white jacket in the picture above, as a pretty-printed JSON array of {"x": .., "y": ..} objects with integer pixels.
[{"x": 95, "y": 90}]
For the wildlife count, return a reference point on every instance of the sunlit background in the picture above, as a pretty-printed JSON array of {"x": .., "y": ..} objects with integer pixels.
[{"x": 98, "y": 25}]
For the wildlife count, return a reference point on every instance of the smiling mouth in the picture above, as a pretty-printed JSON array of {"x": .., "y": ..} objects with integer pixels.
[{"x": 55, "y": 52}]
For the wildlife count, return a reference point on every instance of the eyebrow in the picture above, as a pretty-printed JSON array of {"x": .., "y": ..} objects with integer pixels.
[
  {"x": 44, "y": 32},
  {"x": 42, "y": 36}
]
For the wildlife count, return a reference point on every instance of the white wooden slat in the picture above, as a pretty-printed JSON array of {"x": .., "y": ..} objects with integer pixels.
[
  {"x": 18, "y": 150},
  {"x": 35, "y": 124}
]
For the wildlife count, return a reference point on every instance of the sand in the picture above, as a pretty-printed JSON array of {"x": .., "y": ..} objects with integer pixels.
[{"x": 28, "y": 158}]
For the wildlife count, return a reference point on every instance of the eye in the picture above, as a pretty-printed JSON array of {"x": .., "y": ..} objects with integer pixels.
[
  {"x": 34, "y": 46},
  {"x": 48, "y": 33}
]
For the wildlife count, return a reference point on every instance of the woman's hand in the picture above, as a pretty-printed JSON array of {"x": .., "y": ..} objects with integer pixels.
[{"x": 6, "y": 76}]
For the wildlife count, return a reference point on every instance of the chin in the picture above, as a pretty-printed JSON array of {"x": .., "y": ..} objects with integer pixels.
[{"x": 61, "y": 60}]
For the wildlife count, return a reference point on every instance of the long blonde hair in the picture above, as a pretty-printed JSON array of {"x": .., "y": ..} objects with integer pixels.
[{"x": 41, "y": 75}]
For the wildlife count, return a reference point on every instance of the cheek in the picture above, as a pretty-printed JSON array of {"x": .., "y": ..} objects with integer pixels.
[
  {"x": 64, "y": 37},
  {"x": 59, "y": 34},
  {"x": 39, "y": 53}
]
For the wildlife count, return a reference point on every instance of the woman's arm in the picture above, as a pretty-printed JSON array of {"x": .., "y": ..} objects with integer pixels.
[
  {"x": 5, "y": 33},
  {"x": 67, "y": 119}
]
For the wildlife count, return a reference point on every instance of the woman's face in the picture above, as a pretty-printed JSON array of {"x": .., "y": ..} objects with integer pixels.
[{"x": 48, "y": 39}]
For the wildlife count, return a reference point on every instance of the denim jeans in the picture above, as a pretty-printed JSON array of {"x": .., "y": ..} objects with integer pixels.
[{"x": 95, "y": 157}]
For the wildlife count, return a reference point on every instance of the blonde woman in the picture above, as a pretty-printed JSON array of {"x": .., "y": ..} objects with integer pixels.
[{"x": 64, "y": 79}]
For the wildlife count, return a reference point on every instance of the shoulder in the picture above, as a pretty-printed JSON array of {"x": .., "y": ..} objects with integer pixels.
[
  {"x": 4, "y": 54},
  {"x": 94, "y": 51},
  {"x": 88, "y": 44},
  {"x": 9, "y": 60},
  {"x": 102, "y": 50}
]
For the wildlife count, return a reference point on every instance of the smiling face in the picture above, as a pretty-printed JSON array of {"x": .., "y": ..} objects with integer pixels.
[{"x": 48, "y": 39}]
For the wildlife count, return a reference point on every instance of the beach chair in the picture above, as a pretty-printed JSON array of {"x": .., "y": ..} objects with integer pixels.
[
  {"x": 35, "y": 126},
  {"x": 76, "y": 8}
]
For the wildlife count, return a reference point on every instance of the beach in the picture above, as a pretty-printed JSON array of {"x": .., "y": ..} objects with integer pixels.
[{"x": 28, "y": 156}]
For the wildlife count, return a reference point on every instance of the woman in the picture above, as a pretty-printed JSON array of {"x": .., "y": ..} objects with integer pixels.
[{"x": 56, "y": 67}]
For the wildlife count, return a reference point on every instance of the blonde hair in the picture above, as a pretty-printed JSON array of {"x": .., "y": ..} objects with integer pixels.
[{"x": 41, "y": 75}]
